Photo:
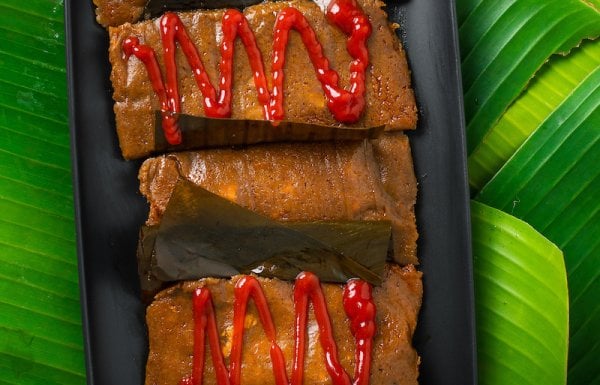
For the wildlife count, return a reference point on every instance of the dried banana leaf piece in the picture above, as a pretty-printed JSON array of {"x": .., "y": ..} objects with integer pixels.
[
  {"x": 202, "y": 132},
  {"x": 204, "y": 235}
]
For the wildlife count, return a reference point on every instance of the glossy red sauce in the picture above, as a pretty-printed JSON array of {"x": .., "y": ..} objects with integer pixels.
[
  {"x": 358, "y": 305},
  {"x": 345, "y": 105}
]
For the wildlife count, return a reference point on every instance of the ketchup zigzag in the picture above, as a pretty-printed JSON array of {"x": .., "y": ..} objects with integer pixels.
[
  {"x": 345, "y": 105},
  {"x": 358, "y": 305}
]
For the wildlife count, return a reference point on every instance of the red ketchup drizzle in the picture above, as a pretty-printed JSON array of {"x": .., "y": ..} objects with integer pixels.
[
  {"x": 345, "y": 105},
  {"x": 358, "y": 305},
  {"x": 308, "y": 288},
  {"x": 360, "y": 309}
]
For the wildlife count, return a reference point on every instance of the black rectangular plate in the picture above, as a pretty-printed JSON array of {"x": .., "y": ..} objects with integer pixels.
[{"x": 109, "y": 209}]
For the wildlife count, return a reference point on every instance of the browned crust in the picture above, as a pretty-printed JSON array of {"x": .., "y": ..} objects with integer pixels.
[
  {"x": 117, "y": 12},
  {"x": 390, "y": 99},
  {"x": 300, "y": 182},
  {"x": 394, "y": 361}
]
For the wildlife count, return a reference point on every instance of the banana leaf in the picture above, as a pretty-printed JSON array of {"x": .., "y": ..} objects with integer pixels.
[
  {"x": 40, "y": 322},
  {"x": 204, "y": 132},
  {"x": 552, "y": 86},
  {"x": 204, "y": 235},
  {"x": 504, "y": 43},
  {"x": 553, "y": 183},
  {"x": 521, "y": 301}
]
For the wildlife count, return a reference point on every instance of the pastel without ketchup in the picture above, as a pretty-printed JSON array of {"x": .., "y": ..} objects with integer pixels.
[
  {"x": 358, "y": 305},
  {"x": 345, "y": 105}
]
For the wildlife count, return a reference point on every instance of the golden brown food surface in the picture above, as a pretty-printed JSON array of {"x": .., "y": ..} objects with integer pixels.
[
  {"x": 394, "y": 360},
  {"x": 117, "y": 12},
  {"x": 389, "y": 97},
  {"x": 301, "y": 182}
]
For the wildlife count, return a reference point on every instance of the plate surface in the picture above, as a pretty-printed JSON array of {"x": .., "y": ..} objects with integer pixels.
[{"x": 109, "y": 209}]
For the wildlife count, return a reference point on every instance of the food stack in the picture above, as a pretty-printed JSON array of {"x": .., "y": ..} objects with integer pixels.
[{"x": 281, "y": 237}]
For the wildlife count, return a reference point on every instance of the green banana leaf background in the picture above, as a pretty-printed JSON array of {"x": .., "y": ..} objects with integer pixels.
[{"x": 531, "y": 76}]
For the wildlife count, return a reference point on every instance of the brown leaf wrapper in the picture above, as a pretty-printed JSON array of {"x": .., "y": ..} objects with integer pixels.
[
  {"x": 201, "y": 132},
  {"x": 204, "y": 235}
]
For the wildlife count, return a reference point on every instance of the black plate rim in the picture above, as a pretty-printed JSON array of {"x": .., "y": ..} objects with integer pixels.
[{"x": 73, "y": 135}]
